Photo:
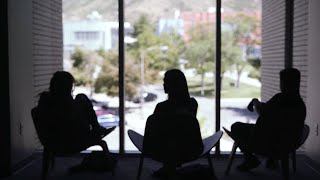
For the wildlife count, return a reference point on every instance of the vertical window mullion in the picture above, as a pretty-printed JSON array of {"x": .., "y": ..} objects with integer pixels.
[
  {"x": 218, "y": 70},
  {"x": 289, "y": 16},
  {"x": 121, "y": 76}
]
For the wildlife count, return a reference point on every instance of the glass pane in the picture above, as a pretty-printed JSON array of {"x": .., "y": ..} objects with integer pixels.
[
  {"x": 241, "y": 55},
  {"x": 161, "y": 37},
  {"x": 90, "y": 42}
]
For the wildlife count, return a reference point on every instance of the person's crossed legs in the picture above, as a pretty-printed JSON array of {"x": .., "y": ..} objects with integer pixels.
[{"x": 241, "y": 133}]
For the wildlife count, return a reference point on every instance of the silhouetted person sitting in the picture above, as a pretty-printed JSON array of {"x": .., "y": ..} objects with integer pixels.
[
  {"x": 69, "y": 125},
  {"x": 166, "y": 127},
  {"x": 278, "y": 127}
]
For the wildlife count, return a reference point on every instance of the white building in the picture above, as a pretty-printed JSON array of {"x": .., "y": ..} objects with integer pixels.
[{"x": 92, "y": 34}]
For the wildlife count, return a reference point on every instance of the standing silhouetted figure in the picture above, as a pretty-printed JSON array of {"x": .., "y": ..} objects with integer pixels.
[
  {"x": 279, "y": 125},
  {"x": 69, "y": 125},
  {"x": 166, "y": 127}
]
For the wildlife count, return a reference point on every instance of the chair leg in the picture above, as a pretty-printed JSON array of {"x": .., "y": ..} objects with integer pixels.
[
  {"x": 140, "y": 166},
  {"x": 285, "y": 167},
  {"x": 210, "y": 164},
  {"x": 231, "y": 157},
  {"x": 45, "y": 164},
  {"x": 294, "y": 167}
]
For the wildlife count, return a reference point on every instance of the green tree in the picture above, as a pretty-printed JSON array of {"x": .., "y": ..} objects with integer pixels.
[
  {"x": 108, "y": 78},
  {"x": 175, "y": 49},
  {"x": 230, "y": 53},
  {"x": 157, "y": 52},
  {"x": 86, "y": 66},
  {"x": 256, "y": 64},
  {"x": 200, "y": 50},
  {"x": 144, "y": 48},
  {"x": 243, "y": 27}
]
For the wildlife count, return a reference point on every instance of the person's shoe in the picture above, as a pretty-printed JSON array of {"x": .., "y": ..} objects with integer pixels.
[
  {"x": 104, "y": 131},
  {"x": 272, "y": 164},
  {"x": 247, "y": 165}
]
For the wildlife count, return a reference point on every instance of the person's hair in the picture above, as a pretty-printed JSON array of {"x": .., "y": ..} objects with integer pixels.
[
  {"x": 176, "y": 85},
  {"x": 290, "y": 81},
  {"x": 61, "y": 83}
]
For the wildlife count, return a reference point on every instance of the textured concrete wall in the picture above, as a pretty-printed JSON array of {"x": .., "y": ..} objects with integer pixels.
[
  {"x": 313, "y": 85},
  {"x": 35, "y": 52}
]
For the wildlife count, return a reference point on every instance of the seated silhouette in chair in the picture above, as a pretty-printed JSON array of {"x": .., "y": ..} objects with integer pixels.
[
  {"x": 172, "y": 133},
  {"x": 278, "y": 129},
  {"x": 179, "y": 102},
  {"x": 66, "y": 125}
]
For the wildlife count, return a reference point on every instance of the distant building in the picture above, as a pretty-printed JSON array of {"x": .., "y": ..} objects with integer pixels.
[
  {"x": 168, "y": 25},
  {"x": 92, "y": 35}
]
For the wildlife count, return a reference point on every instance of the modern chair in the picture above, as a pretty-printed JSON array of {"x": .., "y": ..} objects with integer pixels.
[
  {"x": 48, "y": 155},
  {"x": 284, "y": 160},
  {"x": 208, "y": 144}
]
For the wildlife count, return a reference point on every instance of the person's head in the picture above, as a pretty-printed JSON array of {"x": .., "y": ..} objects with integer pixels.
[
  {"x": 290, "y": 81},
  {"x": 175, "y": 85},
  {"x": 61, "y": 83}
]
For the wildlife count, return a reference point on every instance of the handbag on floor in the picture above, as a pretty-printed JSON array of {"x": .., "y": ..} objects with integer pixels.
[{"x": 97, "y": 162}]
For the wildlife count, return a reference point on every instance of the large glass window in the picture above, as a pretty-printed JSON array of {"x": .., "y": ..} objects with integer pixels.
[
  {"x": 158, "y": 38},
  {"x": 240, "y": 63},
  {"x": 173, "y": 35},
  {"x": 91, "y": 55}
]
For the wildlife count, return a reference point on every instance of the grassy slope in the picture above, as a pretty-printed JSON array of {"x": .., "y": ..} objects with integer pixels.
[{"x": 245, "y": 90}]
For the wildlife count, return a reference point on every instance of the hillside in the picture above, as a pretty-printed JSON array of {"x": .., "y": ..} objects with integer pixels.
[{"x": 79, "y": 9}]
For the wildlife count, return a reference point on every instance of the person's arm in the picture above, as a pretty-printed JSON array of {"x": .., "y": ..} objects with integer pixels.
[{"x": 255, "y": 104}]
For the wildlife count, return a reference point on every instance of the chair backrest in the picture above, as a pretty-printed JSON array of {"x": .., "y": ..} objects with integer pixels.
[
  {"x": 173, "y": 136},
  {"x": 36, "y": 122},
  {"x": 280, "y": 132}
]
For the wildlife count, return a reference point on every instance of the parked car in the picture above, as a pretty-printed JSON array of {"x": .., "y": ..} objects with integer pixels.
[
  {"x": 147, "y": 96},
  {"x": 106, "y": 117},
  {"x": 108, "y": 120},
  {"x": 99, "y": 104}
]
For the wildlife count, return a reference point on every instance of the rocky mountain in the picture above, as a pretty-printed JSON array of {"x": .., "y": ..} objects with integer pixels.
[{"x": 155, "y": 9}]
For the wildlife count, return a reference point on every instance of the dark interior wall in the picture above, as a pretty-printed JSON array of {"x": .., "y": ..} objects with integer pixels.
[
  {"x": 273, "y": 46},
  {"x": 4, "y": 96},
  {"x": 35, "y": 53},
  {"x": 306, "y": 43},
  {"x": 20, "y": 53},
  {"x": 300, "y": 42},
  {"x": 313, "y": 85},
  {"x": 47, "y": 44}
]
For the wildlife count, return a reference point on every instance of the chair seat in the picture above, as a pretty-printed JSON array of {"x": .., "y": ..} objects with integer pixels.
[
  {"x": 136, "y": 138},
  {"x": 208, "y": 143}
]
